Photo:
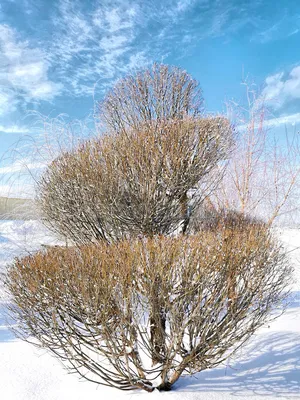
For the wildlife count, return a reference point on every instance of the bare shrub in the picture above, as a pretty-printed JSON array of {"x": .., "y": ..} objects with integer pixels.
[
  {"x": 134, "y": 182},
  {"x": 207, "y": 216},
  {"x": 138, "y": 308},
  {"x": 157, "y": 94},
  {"x": 129, "y": 313}
]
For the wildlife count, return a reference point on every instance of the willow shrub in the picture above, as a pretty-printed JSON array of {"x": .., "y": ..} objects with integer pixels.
[
  {"x": 158, "y": 93},
  {"x": 134, "y": 182},
  {"x": 130, "y": 313}
]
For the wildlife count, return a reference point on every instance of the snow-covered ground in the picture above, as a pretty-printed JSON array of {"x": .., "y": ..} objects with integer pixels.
[{"x": 267, "y": 368}]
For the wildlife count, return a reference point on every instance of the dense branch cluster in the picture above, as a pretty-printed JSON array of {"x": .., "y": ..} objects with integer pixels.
[
  {"x": 158, "y": 94},
  {"x": 150, "y": 307},
  {"x": 136, "y": 182},
  {"x": 148, "y": 290}
]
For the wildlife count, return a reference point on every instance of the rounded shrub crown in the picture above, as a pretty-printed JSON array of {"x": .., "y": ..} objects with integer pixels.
[
  {"x": 158, "y": 93},
  {"x": 134, "y": 182}
]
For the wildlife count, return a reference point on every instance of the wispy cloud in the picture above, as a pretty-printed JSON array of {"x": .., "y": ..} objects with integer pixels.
[
  {"x": 83, "y": 43},
  {"x": 108, "y": 39},
  {"x": 17, "y": 189},
  {"x": 294, "y": 32},
  {"x": 14, "y": 129},
  {"x": 92, "y": 45},
  {"x": 291, "y": 119},
  {"x": 270, "y": 33},
  {"x": 112, "y": 19},
  {"x": 21, "y": 166},
  {"x": 23, "y": 72},
  {"x": 7, "y": 100},
  {"x": 277, "y": 22},
  {"x": 282, "y": 88}
]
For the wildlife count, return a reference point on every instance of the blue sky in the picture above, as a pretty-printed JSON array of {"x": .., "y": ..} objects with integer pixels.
[{"x": 59, "y": 56}]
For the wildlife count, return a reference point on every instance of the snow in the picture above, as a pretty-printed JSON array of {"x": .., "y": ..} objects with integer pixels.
[{"x": 268, "y": 367}]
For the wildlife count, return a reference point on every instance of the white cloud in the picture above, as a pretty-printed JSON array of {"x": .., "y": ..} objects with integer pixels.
[
  {"x": 291, "y": 119},
  {"x": 7, "y": 102},
  {"x": 97, "y": 41},
  {"x": 268, "y": 34},
  {"x": 281, "y": 89},
  {"x": 101, "y": 41},
  {"x": 23, "y": 72},
  {"x": 22, "y": 165},
  {"x": 114, "y": 42},
  {"x": 294, "y": 32},
  {"x": 114, "y": 19},
  {"x": 17, "y": 189},
  {"x": 183, "y": 5},
  {"x": 136, "y": 60},
  {"x": 14, "y": 129},
  {"x": 93, "y": 46}
]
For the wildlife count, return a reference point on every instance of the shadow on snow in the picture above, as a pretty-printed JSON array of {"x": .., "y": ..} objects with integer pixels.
[
  {"x": 293, "y": 300},
  {"x": 6, "y": 335},
  {"x": 269, "y": 365}
]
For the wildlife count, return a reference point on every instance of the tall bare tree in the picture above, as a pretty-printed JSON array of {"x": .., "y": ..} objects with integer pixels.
[{"x": 262, "y": 176}]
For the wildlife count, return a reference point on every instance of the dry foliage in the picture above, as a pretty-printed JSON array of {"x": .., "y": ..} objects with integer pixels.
[
  {"x": 157, "y": 94},
  {"x": 207, "y": 216},
  {"x": 138, "y": 308},
  {"x": 133, "y": 312},
  {"x": 134, "y": 182}
]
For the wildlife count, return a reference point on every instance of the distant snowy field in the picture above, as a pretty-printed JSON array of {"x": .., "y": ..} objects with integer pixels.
[{"x": 267, "y": 368}]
